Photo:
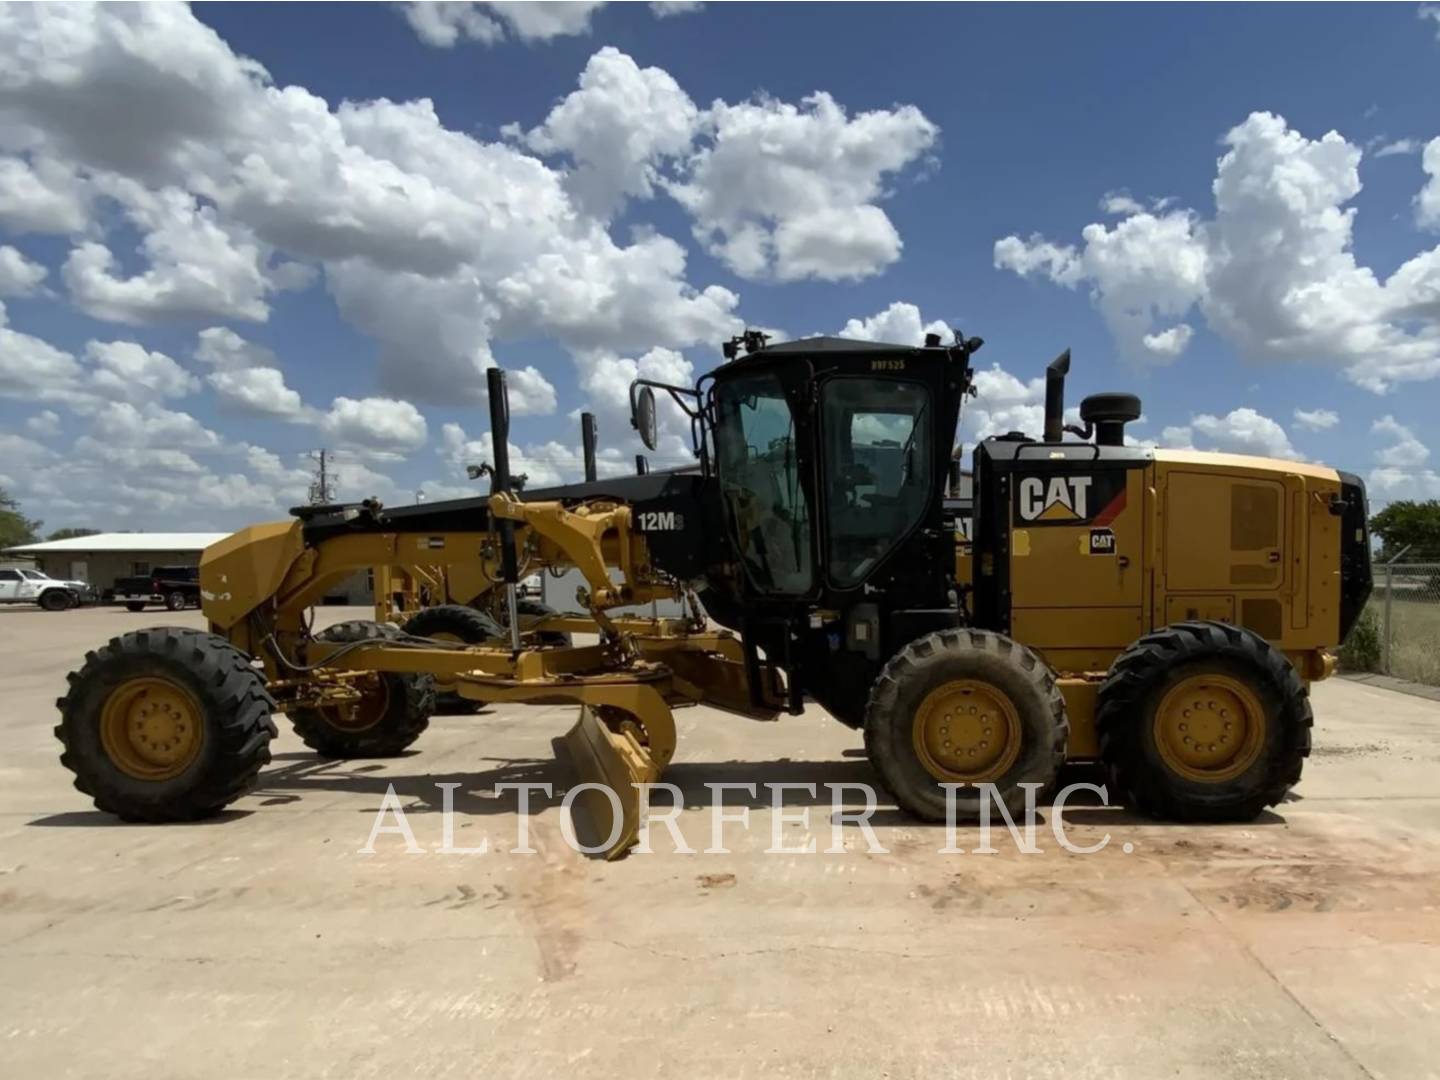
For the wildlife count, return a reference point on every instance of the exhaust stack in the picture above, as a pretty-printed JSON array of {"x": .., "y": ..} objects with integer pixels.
[{"x": 1055, "y": 397}]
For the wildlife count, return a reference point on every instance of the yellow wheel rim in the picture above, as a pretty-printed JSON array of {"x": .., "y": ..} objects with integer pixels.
[
  {"x": 365, "y": 713},
  {"x": 1209, "y": 728},
  {"x": 152, "y": 728},
  {"x": 967, "y": 732}
]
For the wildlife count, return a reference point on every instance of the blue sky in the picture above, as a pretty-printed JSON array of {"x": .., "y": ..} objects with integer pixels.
[{"x": 211, "y": 267}]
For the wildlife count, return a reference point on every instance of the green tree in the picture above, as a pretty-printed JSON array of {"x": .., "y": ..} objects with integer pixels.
[
  {"x": 70, "y": 534},
  {"x": 1415, "y": 525},
  {"x": 15, "y": 527}
]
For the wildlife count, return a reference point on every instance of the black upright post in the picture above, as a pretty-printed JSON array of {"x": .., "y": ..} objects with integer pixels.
[
  {"x": 641, "y": 465},
  {"x": 505, "y": 527},
  {"x": 587, "y": 440}
]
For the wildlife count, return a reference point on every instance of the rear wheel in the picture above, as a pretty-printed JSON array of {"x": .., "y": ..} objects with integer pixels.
[
  {"x": 964, "y": 707},
  {"x": 1203, "y": 721},
  {"x": 391, "y": 713},
  {"x": 454, "y": 622},
  {"x": 534, "y": 609},
  {"x": 175, "y": 600},
  {"x": 56, "y": 600},
  {"x": 135, "y": 605},
  {"x": 169, "y": 724}
]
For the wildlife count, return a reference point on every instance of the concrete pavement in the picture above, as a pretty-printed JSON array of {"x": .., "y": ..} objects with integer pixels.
[{"x": 265, "y": 944}]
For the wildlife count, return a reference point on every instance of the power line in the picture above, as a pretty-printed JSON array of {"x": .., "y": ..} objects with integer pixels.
[{"x": 322, "y": 488}]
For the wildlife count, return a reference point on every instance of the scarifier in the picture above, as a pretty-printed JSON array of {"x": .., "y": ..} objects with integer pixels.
[{"x": 1162, "y": 612}]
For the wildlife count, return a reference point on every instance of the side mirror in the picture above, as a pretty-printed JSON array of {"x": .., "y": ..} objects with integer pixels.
[{"x": 642, "y": 417}]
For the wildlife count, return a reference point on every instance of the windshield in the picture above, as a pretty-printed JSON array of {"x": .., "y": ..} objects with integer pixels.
[
  {"x": 765, "y": 505},
  {"x": 34, "y": 575}
]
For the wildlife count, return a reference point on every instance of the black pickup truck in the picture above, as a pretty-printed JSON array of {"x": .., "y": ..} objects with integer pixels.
[{"x": 176, "y": 587}]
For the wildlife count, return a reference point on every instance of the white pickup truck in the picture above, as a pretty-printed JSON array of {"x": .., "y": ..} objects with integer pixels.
[{"x": 33, "y": 587}]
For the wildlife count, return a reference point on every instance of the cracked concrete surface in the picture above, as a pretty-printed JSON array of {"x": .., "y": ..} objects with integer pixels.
[{"x": 1306, "y": 944}]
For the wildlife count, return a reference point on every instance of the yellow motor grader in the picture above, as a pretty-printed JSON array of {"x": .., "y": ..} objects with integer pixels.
[{"x": 1162, "y": 612}]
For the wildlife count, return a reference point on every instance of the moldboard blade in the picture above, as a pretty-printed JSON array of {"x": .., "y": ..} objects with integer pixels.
[{"x": 617, "y": 760}]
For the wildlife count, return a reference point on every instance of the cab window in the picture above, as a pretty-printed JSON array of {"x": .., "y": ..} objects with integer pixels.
[{"x": 877, "y": 469}]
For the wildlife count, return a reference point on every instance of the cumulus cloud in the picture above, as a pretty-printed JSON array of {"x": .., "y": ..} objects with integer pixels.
[
  {"x": 19, "y": 276},
  {"x": 198, "y": 267},
  {"x": 42, "y": 195},
  {"x": 246, "y": 376},
  {"x": 124, "y": 369},
  {"x": 618, "y": 127},
  {"x": 1121, "y": 203},
  {"x": 1240, "y": 431},
  {"x": 1402, "y": 470},
  {"x": 32, "y": 369},
  {"x": 224, "y": 174},
  {"x": 899, "y": 324},
  {"x": 1272, "y": 272},
  {"x": 1003, "y": 403},
  {"x": 45, "y": 423},
  {"x": 446, "y": 23},
  {"x": 260, "y": 390},
  {"x": 380, "y": 423},
  {"x": 790, "y": 191},
  {"x": 437, "y": 244},
  {"x": 1316, "y": 419},
  {"x": 1145, "y": 268},
  {"x": 1168, "y": 344}
]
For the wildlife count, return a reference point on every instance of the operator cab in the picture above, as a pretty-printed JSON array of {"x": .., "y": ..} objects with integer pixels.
[{"x": 828, "y": 460}]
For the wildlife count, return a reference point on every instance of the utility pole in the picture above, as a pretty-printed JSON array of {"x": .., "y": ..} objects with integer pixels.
[{"x": 322, "y": 488}]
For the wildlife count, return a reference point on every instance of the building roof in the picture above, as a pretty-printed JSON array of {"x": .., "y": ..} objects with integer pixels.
[{"x": 121, "y": 541}]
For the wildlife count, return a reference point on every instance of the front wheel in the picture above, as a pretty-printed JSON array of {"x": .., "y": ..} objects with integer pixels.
[
  {"x": 134, "y": 605},
  {"x": 965, "y": 707},
  {"x": 175, "y": 601},
  {"x": 1203, "y": 721},
  {"x": 169, "y": 724},
  {"x": 57, "y": 600}
]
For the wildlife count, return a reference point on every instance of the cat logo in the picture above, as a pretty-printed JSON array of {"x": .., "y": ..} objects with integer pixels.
[
  {"x": 1060, "y": 498},
  {"x": 1085, "y": 499}
]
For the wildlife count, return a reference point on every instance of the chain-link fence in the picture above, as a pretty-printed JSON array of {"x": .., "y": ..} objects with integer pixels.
[{"x": 1399, "y": 632}]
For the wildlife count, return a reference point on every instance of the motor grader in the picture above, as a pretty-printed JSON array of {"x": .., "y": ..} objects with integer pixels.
[{"x": 1159, "y": 612}]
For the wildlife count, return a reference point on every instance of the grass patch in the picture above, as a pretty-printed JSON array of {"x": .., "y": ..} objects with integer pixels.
[{"x": 1414, "y": 637}]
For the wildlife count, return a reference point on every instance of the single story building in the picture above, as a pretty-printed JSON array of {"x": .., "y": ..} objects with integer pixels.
[{"x": 102, "y": 558}]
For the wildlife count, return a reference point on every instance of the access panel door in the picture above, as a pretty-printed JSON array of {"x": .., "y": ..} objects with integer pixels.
[{"x": 1226, "y": 535}]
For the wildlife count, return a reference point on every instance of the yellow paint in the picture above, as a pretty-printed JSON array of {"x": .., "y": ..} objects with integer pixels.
[{"x": 967, "y": 732}]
